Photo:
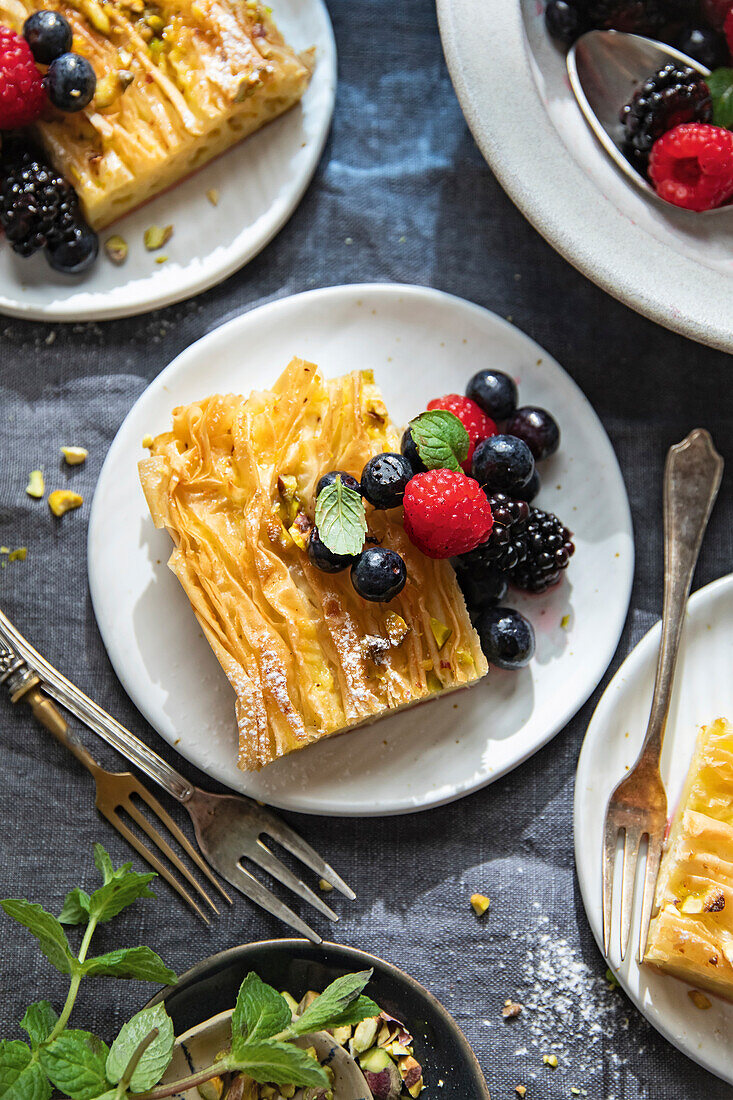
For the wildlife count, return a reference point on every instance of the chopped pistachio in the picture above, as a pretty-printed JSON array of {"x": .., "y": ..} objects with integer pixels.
[
  {"x": 441, "y": 632},
  {"x": 433, "y": 681},
  {"x": 521, "y": 1090},
  {"x": 155, "y": 22},
  {"x": 511, "y": 1009},
  {"x": 464, "y": 657},
  {"x": 213, "y": 196},
  {"x": 18, "y": 555},
  {"x": 699, "y": 999},
  {"x": 160, "y": 259},
  {"x": 365, "y": 1033},
  {"x": 148, "y": 440},
  {"x": 4, "y": 549},
  {"x": 36, "y": 486},
  {"x": 74, "y": 456},
  {"x": 480, "y": 904},
  {"x": 297, "y": 537},
  {"x": 550, "y": 1060},
  {"x": 325, "y": 885},
  {"x": 211, "y": 1090},
  {"x": 612, "y": 979},
  {"x": 111, "y": 87},
  {"x": 396, "y": 627},
  {"x": 692, "y": 905},
  {"x": 565, "y": 622},
  {"x": 63, "y": 500},
  {"x": 156, "y": 236}
]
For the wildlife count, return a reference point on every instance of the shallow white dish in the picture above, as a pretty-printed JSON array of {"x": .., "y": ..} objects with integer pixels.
[
  {"x": 513, "y": 87},
  {"x": 703, "y": 692},
  {"x": 260, "y": 183},
  {"x": 419, "y": 343}
]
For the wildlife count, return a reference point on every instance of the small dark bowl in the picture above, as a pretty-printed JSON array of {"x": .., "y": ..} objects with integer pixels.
[{"x": 297, "y": 965}]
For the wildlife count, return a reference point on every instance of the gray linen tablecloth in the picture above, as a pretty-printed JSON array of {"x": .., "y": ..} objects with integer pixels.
[{"x": 401, "y": 194}]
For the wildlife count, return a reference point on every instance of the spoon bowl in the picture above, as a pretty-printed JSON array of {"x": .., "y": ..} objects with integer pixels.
[{"x": 605, "y": 68}]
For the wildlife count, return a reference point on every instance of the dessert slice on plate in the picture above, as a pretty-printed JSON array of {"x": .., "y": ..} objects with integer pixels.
[
  {"x": 178, "y": 82},
  {"x": 691, "y": 933},
  {"x": 233, "y": 483}
]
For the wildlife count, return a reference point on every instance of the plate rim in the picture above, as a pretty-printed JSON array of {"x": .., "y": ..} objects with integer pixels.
[
  {"x": 560, "y": 718},
  {"x": 13, "y": 307},
  {"x": 644, "y": 648},
  {"x": 365, "y": 958},
  {"x": 524, "y": 180}
]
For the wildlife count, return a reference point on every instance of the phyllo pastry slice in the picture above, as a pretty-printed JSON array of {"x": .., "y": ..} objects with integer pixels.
[
  {"x": 233, "y": 483},
  {"x": 691, "y": 932},
  {"x": 178, "y": 82}
]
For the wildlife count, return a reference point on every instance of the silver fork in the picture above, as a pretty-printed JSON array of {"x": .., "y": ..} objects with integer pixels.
[
  {"x": 638, "y": 804},
  {"x": 228, "y": 827}
]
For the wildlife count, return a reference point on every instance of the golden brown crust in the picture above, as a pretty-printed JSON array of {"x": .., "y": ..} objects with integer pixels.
[
  {"x": 691, "y": 933},
  {"x": 233, "y": 483},
  {"x": 178, "y": 83}
]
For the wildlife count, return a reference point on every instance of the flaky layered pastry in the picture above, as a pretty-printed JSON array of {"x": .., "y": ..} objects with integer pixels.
[
  {"x": 691, "y": 933},
  {"x": 233, "y": 483},
  {"x": 178, "y": 82}
]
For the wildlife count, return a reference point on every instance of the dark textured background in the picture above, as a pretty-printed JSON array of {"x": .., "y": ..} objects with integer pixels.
[{"x": 402, "y": 179}]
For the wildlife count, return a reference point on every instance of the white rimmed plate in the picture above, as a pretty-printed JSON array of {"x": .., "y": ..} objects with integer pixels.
[
  {"x": 259, "y": 183},
  {"x": 703, "y": 691},
  {"x": 513, "y": 87},
  {"x": 419, "y": 343}
]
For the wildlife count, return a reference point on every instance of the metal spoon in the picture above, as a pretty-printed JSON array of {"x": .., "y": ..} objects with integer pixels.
[{"x": 605, "y": 69}]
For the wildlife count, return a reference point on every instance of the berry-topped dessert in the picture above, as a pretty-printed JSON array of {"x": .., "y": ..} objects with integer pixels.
[
  {"x": 677, "y": 124},
  {"x": 121, "y": 99}
]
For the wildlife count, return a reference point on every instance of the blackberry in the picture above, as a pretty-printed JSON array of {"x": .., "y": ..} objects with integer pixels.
[
  {"x": 38, "y": 208},
  {"x": 673, "y": 95},
  {"x": 633, "y": 16},
  {"x": 531, "y": 546}
]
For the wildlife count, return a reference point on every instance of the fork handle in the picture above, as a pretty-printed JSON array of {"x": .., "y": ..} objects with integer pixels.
[
  {"x": 48, "y": 714},
  {"x": 692, "y": 476},
  {"x": 95, "y": 718}
]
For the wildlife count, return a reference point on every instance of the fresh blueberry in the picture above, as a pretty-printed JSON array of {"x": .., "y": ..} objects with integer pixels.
[
  {"x": 703, "y": 45},
  {"x": 564, "y": 20},
  {"x": 48, "y": 34},
  {"x": 410, "y": 452},
  {"x": 323, "y": 558},
  {"x": 384, "y": 480},
  {"x": 70, "y": 82},
  {"x": 379, "y": 574},
  {"x": 328, "y": 479},
  {"x": 529, "y": 491},
  {"x": 502, "y": 464},
  {"x": 77, "y": 255},
  {"x": 494, "y": 392},
  {"x": 507, "y": 639},
  {"x": 482, "y": 586},
  {"x": 537, "y": 428}
]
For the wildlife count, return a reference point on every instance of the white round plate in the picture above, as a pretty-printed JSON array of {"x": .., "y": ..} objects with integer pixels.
[
  {"x": 419, "y": 343},
  {"x": 260, "y": 183},
  {"x": 703, "y": 691},
  {"x": 511, "y": 80}
]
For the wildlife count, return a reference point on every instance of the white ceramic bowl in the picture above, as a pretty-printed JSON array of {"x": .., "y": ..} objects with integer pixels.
[{"x": 669, "y": 264}]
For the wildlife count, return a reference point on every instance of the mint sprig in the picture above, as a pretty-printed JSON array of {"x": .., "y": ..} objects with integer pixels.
[
  {"x": 720, "y": 83},
  {"x": 341, "y": 518},
  {"x": 441, "y": 440},
  {"x": 82, "y": 1067}
]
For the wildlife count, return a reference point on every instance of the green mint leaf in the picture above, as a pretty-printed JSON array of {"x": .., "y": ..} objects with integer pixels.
[
  {"x": 76, "y": 907},
  {"x": 155, "y": 1060},
  {"x": 720, "y": 83},
  {"x": 75, "y": 1063},
  {"x": 260, "y": 1011},
  {"x": 21, "y": 1078},
  {"x": 341, "y": 518},
  {"x": 103, "y": 863},
  {"x": 130, "y": 962},
  {"x": 118, "y": 893},
  {"x": 441, "y": 440},
  {"x": 363, "y": 1008},
  {"x": 47, "y": 930},
  {"x": 39, "y": 1021},
  {"x": 279, "y": 1064},
  {"x": 333, "y": 1002}
]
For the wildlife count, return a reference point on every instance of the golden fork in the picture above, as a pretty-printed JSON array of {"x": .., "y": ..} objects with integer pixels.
[
  {"x": 115, "y": 790},
  {"x": 638, "y": 804}
]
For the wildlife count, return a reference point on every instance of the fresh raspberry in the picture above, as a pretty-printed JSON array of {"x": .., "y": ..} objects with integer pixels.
[
  {"x": 478, "y": 425},
  {"x": 692, "y": 166},
  {"x": 446, "y": 513},
  {"x": 22, "y": 96},
  {"x": 714, "y": 12}
]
